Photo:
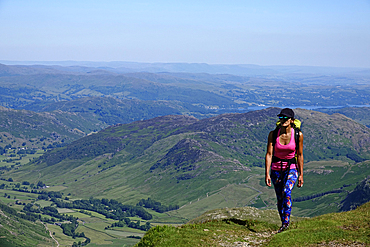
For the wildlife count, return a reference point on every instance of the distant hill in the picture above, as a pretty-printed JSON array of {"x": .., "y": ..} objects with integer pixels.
[
  {"x": 216, "y": 87},
  {"x": 110, "y": 111},
  {"x": 359, "y": 114},
  {"x": 180, "y": 159},
  {"x": 24, "y": 85},
  {"x": 65, "y": 121},
  {"x": 236, "y": 69},
  {"x": 21, "y": 128}
]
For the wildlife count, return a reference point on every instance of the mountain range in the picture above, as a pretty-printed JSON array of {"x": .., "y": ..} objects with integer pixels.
[
  {"x": 234, "y": 69},
  {"x": 26, "y": 87}
]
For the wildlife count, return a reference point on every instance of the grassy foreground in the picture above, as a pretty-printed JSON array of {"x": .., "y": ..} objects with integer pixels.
[{"x": 344, "y": 229}]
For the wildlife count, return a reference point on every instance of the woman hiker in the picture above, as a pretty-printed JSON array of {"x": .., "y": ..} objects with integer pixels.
[{"x": 285, "y": 159}]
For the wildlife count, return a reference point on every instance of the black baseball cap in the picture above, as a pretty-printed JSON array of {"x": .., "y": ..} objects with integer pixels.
[{"x": 286, "y": 112}]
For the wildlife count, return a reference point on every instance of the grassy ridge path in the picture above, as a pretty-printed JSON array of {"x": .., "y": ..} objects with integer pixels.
[{"x": 257, "y": 228}]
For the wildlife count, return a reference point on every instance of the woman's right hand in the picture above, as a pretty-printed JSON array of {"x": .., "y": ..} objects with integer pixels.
[{"x": 268, "y": 180}]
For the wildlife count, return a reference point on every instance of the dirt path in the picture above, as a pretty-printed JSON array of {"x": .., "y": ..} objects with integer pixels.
[{"x": 51, "y": 235}]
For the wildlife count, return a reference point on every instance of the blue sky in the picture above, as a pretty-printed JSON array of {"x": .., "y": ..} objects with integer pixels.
[{"x": 266, "y": 32}]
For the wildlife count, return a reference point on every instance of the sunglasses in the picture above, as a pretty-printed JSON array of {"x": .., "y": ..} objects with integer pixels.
[{"x": 284, "y": 117}]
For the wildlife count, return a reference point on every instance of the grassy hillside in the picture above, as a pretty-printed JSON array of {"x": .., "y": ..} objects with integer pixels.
[
  {"x": 23, "y": 88},
  {"x": 24, "y": 133},
  {"x": 32, "y": 130},
  {"x": 205, "y": 164},
  {"x": 359, "y": 196},
  {"x": 337, "y": 229},
  {"x": 16, "y": 231},
  {"x": 65, "y": 121},
  {"x": 110, "y": 111}
]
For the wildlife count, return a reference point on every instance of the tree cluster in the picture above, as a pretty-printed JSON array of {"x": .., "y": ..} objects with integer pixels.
[
  {"x": 109, "y": 208},
  {"x": 132, "y": 224},
  {"x": 51, "y": 194},
  {"x": 28, "y": 216},
  {"x": 306, "y": 198},
  {"x": 86, "y": 242},
  {"x": 5, "y": 168},
  {"x": 346, "y": 151},
  {"x": 69, "y": 229},
  {"x": 26, "y": 151},
  {"x": 51, "y": 211},
  {"x": 156, "y": 206}
]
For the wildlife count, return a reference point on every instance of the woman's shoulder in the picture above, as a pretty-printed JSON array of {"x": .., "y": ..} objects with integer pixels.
[
  {"x": 271, "y": 136},
  {"x": 300, "y": 136},
  {"x": 272, "y": 132}
]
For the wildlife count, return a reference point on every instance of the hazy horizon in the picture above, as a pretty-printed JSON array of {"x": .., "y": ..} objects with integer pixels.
[
  {"x": 266, "y": 33},
  {"x": 107, "y": 63}
]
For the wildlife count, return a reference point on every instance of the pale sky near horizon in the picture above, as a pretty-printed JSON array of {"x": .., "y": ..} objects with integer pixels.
[{"x": 266, "y": 32}]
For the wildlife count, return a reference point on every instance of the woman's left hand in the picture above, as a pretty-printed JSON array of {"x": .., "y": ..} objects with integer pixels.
[{"x": 300, "y": 181}]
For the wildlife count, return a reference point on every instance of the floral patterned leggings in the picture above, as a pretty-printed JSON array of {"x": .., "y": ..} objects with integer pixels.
[{"x": 284, "y": 182}]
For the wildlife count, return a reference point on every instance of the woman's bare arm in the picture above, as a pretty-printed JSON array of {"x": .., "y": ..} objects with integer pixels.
[
  {"x": 300, "y": 160},
  {"x": 268, "y": 159}
]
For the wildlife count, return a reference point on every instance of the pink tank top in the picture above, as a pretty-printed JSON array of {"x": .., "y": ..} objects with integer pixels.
[{"x": 284, "y": 152}]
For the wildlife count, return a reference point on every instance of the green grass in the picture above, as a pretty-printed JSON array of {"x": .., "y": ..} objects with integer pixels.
[
  {"x": 212, "y": 233},
  {"x": 121, "y": 242},
  {"x": 78, "y": 215},
  {"x": 65, "y": 210},
  {"x": 228, "y": 196},
  {"x": 97, "y": 215},
  {"x": 343, "y": 228},
  {"x": 55, "y": 188},
  {"x": 97, "y": 237},
  {"x": 132, "y": 231},
  {"x": 318, "y": 206},
  {"x": 97, "y": 224},
  {"x": 325, "y": 176},
  {"x": 136, "y": 218},
  {"x": 44, "y": 203},
  {"x": 20, "y": 196}
]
